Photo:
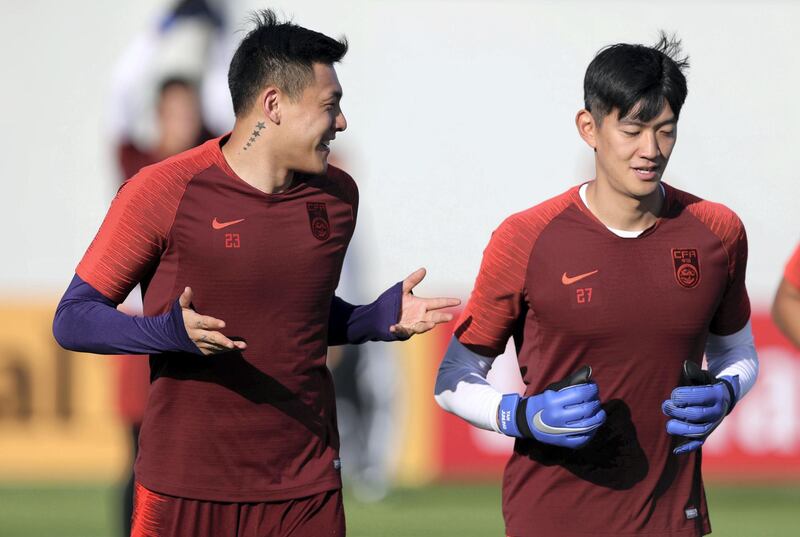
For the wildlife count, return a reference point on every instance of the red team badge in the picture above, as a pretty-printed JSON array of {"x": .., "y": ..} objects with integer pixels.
[
  {"x": 687, "y": 266},
  {"x": 318, "y": 218}
]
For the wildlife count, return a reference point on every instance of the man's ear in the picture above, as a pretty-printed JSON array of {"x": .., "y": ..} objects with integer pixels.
[
  {"x": 587, "y": 127},
  {"x": 270, "y": 104}
]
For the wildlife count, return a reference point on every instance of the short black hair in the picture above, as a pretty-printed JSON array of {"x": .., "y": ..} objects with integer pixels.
[
  {"x": 636, "y": 79},
  {"x": 281, "y": 53}
]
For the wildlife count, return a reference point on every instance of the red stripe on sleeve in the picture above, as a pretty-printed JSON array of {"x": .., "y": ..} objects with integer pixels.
[
  {"x": 496, "y": 301},
  {"x": 134, "y": 233}
]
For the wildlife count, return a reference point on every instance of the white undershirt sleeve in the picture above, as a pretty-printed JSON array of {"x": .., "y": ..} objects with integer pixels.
[
  {"x": 462, "y": 388},
  {"x": 734, "y": 354}
]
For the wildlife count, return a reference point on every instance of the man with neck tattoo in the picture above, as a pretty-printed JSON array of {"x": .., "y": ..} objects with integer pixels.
[
  {"x": 238, "y": 245},
  {"x": 612, "y": 292}
]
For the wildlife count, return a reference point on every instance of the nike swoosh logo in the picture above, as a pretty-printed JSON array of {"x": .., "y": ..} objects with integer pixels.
[
  {"x": 541, "y": 426},
  {"x": 219, "y": 225},
  {"x": 566, "y": 280}
]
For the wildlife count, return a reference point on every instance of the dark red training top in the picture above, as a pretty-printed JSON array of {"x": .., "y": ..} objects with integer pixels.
[
  {"x": 571, "y": 293},
  {"x": 245, "y": 426}
]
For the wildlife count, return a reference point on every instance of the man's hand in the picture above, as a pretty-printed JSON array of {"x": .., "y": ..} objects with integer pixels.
[
  {"x": 202, "y": 329},
  {"x": 566, "y": 414},
  {"x": 697, "y": 409},
  {"x": 419, "y": 314}
]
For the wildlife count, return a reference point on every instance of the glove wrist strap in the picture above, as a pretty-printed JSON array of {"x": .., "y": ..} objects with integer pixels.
[
  {"x": 522, "y": 418},
  {"x": 732, "y": 392},
  {"x": 507, "y": 414}
]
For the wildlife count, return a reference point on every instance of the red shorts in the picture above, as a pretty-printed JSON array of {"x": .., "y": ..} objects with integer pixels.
[{"x": 159, "y": 515}]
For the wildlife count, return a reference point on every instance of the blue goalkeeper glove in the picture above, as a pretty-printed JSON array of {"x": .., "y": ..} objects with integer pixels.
[
  {"x": 699, "y": 407},
  {"x": 567, "y": 413}
]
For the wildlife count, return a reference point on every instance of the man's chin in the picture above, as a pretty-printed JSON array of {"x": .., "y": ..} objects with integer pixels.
[
  {"x": 640, "y": 188},
  {"x": 643, "y": 190}
]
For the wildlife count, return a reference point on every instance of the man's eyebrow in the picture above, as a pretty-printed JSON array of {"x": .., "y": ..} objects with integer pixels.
[
  {"x": 336, "y": 95},
  {"x": 672, "y": 120}
]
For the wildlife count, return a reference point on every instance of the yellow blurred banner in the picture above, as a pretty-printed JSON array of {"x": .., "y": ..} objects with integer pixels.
[
  {"x": 57, "y": 409},
  {"x": 415, "y": 461}
]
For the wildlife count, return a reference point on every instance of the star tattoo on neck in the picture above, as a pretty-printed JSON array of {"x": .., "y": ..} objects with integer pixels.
[{"x": 255, "y": 134}]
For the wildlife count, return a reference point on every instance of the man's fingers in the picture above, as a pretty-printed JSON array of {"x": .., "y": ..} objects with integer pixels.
[
  {"x": 682, "y": 428},
  {"x": 688, "y": 447},
  {"x": 194, "y": 320},
  {"x": 413, "y": 279},
  {"x": 440, "y": 302},
  {"x": 698, "y": 414},
  {"x": 186, "y": 297},
  {"x": 437, "y": 317},
  {"x": 216, "y": 338},
  {"x": 206, "y": 322},
  {"x": 203, "y": 329},
  {"x": 424, "y": 326},
  {"x": 696, "y": 395},
  {"x": 212, "y": 340},
  {"x": 208, "y": 349},
  {"x": 402, "y": 332},
  {"x": 421, "y": 327}
]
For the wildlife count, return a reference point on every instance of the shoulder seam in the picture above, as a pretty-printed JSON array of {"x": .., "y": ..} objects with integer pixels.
[{"x": 687, "y": 200}]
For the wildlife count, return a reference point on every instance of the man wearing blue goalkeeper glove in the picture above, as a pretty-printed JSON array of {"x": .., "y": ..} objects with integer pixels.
[
  {"x": 699, "y": 407},
  {"x": 567, "y": 413},
  {"x": 633, "y": 276}
]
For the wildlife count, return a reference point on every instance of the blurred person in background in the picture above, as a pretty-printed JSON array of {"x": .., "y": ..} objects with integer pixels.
[
  {"x": 239, "y": 433},
  {"x": 786, "y": 306},
  {"x": 178, "y": 123},
  {"x": 633, "y": 278},
  {"x": 182, "y": 44}
]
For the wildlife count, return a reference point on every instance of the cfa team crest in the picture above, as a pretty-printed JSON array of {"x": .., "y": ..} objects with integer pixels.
[
  {"x": 687, "y": 266},
  {"x": 318, "y": 218}
]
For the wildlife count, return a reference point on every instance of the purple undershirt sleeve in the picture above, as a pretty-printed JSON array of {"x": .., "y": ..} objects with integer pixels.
[
  {"x": 87, "y": 321},
  {"x": 350, "y": 324}
]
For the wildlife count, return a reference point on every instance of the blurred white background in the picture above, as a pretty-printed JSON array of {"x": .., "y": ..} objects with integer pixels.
[{"x": 460, "y": 113}]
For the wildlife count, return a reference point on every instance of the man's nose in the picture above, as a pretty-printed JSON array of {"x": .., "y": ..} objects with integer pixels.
[{"x": 341, "y": 122}]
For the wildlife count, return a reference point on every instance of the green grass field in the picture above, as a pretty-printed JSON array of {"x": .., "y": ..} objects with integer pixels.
[{"x": 434, "y": 511}]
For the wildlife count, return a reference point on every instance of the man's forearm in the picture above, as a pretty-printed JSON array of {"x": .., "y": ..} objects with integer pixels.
[
  {"x": 786, "y": 311},
  {"x": 462, "y": 389},
  {"x": 87, "y": 321},
  {"x": 734, "y": 355},
  {"x": 350, "y": 324}
]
